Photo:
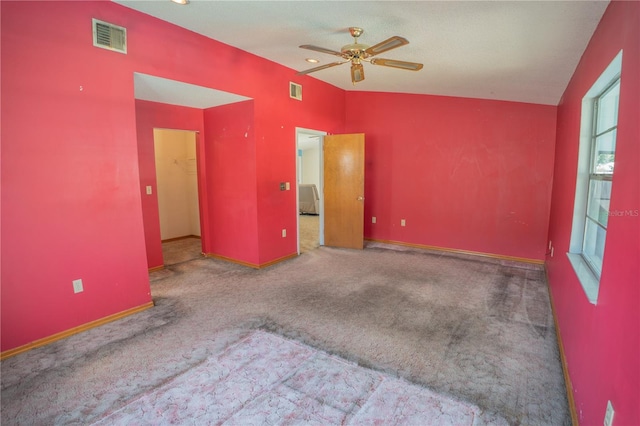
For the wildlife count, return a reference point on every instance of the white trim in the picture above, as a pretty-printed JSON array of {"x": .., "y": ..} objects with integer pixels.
[
  {"x": 321, "y": 134},
  {"x": 590, "y": 282}
]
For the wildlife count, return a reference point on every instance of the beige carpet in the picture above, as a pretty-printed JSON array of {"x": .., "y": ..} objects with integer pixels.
[
  {"x": 309, "y": 232},
  {"x": 182, "y": 250}
]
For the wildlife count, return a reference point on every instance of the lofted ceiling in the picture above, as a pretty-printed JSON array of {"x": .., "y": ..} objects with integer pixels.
[{"x": 523, "y": 51}]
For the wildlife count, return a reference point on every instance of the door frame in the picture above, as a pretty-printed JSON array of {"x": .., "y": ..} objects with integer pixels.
[
  {"x": 320, "y": 134},
  {"x": 200, "y": 182}
]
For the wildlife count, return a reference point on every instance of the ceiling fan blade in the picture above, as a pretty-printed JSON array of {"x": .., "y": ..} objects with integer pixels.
[
  {"x": 321, "y": 67},
  {"x": 388, "y": 44},
  {"x": 357, "y": 73},
  {"x": 411, "y": 66},
  {"x": 322, "y": 50}
]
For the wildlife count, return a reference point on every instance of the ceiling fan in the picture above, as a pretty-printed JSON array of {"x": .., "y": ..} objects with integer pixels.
[{"x": 356, "y": 53}]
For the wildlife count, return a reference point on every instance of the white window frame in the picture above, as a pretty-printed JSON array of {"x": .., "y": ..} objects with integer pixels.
[{"x": 588, "y": 277}]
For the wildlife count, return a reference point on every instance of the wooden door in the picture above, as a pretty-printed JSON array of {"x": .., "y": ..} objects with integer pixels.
[{"x": 344, "y": 190}]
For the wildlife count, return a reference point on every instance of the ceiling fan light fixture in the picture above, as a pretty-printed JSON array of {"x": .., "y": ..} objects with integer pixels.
[
  {"x": 357, "y": 72},
  {"x": 356, "y": 53}
]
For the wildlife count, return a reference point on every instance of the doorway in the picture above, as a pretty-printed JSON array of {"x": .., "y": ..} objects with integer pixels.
[
  {"x": 177, "y": 194},
  {"x": 309, "y": 171}
]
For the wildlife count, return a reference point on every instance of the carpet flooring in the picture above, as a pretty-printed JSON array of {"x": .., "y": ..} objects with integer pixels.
[
  {"x": 182, "y": 250},
  {"x": 266, "y": 379},
  {"x": 468, "y": 330},
  {"x": 309, "y": 232}
]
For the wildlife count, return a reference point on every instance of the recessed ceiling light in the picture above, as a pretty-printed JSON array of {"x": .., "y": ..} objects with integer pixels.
[
  {"x": 313, "y": 61},
  {"x": 181, "y": 1}
]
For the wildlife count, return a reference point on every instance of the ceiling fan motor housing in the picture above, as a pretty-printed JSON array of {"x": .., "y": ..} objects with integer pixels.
[{"x": 355, "y": 50}]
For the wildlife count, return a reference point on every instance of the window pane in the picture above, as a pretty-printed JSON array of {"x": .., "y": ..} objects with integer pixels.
[
  {"x": 593, "y": 250},
  {"x": 604, "y": 153},
  {"x": 608, "y": 109},
  {"x": 598, "y": 203}
]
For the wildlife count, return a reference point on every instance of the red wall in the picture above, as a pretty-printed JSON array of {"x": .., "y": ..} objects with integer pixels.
[
  {"x": 71, "y": 180},
  {"x": 601, "y": 341},
  {"x": 150, "y": 115},
  {"x": 465, "y": 174},
  {"x": 231, "y": 181},
  {"x": 71, "y": 205},
  {"x": 322, "y": 108}
]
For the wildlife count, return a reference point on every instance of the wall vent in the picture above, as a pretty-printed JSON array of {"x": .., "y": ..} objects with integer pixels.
[
  {"x": 109, "y": 36},
  {"x": 295, "y": 91}
]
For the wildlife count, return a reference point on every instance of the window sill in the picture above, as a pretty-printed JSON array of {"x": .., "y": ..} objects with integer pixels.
[{"x": 589, "y": 281}]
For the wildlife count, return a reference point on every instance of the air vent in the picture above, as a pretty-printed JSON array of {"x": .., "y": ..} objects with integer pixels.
[
  {"x": 109, "y": 36},
  {"x": 295, "y": 91}
]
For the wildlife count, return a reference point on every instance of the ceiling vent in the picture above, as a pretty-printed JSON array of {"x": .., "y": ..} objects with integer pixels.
[
  {"x": 109, "y": 36},
  {"x": 295, "y": 91}
]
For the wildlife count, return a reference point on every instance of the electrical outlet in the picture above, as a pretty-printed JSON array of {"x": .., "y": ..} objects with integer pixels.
[
  {"x": 373, "y": 219},
  {"x": 284, "y": 233},
  {"x": 403, "y": 222},
  {"x": 608, "y": 415},
  {"x": 287, "y": 186},
  {"x": 77, "y": 286}
]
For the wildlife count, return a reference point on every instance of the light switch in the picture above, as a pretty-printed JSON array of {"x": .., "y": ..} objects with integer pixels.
[
  {"x": 287, "y": 186},
  {"x": 149, "y": 190}
]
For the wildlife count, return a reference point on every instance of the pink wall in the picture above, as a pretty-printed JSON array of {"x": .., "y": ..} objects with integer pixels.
[
  {"x": 601, "y": 341},
  {"x": 231, "y": 181},
  {"x": 71, "y": 189},
  {"x": 465, "y": 174},
  {"x": 322, "y": 108},
  {"x": 150, "y": 115},
  {"x": 71, "y": 205}
]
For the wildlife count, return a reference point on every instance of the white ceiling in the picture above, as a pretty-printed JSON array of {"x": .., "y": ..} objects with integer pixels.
[
  {"x": 523, "y": 51},
  {"x": 157, "y": 89}
]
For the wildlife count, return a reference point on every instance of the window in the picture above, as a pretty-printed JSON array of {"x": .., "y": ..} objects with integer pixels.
[
  {"x": 603, "y": 148},
  {"x": 596, "y": 164}
]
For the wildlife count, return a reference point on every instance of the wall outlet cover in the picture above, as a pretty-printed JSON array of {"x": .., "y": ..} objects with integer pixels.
[{"x": 77, "y": 286}]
